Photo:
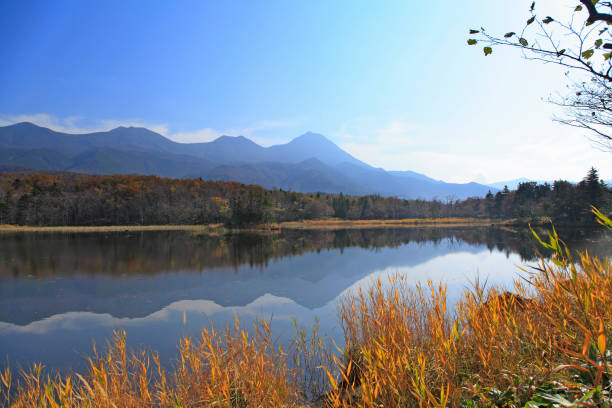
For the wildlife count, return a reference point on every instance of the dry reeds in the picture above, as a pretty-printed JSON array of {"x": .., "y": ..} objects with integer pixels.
[
  {"x": 393, "y": 223},
  {"x": 546, "y": 343},
  {"x": 233, "y": 369}
]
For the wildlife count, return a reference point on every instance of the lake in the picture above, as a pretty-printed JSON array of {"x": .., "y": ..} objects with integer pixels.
[{"x": 61, "y": 292}]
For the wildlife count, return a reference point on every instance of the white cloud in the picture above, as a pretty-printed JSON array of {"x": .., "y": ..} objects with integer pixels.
[{"x": 202, "y": 135}]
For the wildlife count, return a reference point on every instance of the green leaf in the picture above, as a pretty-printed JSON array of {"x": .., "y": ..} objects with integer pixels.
[
  {"x": 487, "y": 50},
  {"x": 608, "y": 55},
  {"x": 560, "y": 52},
  {"x": 472, "y": 41},
  {"x": 598, "y": 43},
  {"x": 588, "y": 54},
  {"x": 510, "y": 34},
  {"x": 601, "y": 218},
  {"x": 548, "y": 20},
  {"x": 578, "y": 8},
  {"x": 544, "y": 244},
  {"x": 531, "y": 20},
  {"x": 523, "y": 42},
  {"x": 474, "y": 31}
]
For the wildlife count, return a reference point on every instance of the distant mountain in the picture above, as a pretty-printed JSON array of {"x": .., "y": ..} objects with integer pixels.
[
  {"x": 26, "y": 135},
  {"x": 308, "y": 163},
  {"x": 512, "y": 184},
  {"x": 308, "y": 176},
  {"x": 313, "y": 175},
  {"x": 112, "y": 161},
  {"x": 413, "y": 175},
  {"x": 311, "y": 145},
  {"x": 228, "y": 149},
  {"x": 39, "y": 158}
]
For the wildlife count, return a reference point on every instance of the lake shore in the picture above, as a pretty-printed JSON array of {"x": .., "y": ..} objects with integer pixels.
[{"x": 303, "y": 224}]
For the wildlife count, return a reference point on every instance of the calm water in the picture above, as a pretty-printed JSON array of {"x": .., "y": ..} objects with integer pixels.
[{"x": 59, "y": 293}]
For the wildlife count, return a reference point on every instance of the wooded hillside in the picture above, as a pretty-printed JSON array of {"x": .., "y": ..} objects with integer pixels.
[{"x": 58, "y": 198}]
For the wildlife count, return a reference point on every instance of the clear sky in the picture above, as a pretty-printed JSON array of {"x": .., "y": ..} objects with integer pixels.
[{"x": 392, "y": 82}]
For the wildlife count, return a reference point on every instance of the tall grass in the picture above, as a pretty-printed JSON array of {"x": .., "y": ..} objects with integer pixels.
[
  {"x": 230, "y": 369},
  {"x": 544, "y": 344}
]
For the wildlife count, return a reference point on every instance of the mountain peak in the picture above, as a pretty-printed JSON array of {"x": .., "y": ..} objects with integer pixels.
[
  {"x": 233, "y": 140},
  {"x": 133, "y": 129},
  {"x": 25, "y": 125},
  {"x": 311, "y": 137}
]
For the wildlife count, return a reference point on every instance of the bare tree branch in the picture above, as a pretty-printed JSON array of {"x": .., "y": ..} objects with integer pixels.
[
  {"x": 581, "y": 43},
  {"x": 594, "y": 15}
]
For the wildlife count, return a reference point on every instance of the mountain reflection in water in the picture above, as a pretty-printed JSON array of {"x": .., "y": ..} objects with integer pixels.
[{"x": 60, "y": 292}]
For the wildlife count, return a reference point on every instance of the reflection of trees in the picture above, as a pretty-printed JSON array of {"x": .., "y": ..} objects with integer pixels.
[{"x": 145, "y": 253}]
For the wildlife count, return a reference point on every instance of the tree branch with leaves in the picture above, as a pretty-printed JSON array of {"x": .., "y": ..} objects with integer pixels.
[{"x": 581, "y": 43}]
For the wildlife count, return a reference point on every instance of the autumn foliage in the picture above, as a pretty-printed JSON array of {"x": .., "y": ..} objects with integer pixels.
[{"x": 68, "y": 199}]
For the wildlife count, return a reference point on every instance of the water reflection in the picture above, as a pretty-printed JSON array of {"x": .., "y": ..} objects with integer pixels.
[{"x": 58, "y": 292}]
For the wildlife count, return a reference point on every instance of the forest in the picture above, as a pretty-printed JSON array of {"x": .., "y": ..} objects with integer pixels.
[{"x": 70, "y": 199}]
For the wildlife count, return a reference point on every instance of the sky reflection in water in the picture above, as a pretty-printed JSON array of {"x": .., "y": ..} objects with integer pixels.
[{"x": 61, "y": 293}]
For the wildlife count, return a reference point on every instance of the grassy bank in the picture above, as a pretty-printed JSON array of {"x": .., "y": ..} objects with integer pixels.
[
  {"x": 304, "y": 224},
  {"x": 402, "y": 223},
  {"x": 109, "y": 228},
  {"x": 546, "y": 344}
]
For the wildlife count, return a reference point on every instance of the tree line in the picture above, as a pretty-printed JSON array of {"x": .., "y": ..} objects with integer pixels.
[{"x": 58, "y": 198}]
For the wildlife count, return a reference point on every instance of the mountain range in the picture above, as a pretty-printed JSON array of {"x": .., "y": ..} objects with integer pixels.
[{"x": 308, "y": 163}]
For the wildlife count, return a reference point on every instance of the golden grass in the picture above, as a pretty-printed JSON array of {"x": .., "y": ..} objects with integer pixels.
[
  {"x": 549, "y": 339},
  {"x": 264, "y": 228},
  {"x": 400, "y": 223},
  {"x": 231, "y": 369},
  {"x": 546, "y": 343},
  {"x": 110, "y": 228}
]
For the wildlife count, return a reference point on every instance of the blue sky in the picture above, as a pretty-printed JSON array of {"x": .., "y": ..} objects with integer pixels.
[{"x": 392, "y": 82}]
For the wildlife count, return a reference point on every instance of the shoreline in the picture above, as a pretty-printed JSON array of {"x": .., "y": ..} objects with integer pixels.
[
  {"x": 400, "y": 223},
  {"x": 304, "y": 224}
]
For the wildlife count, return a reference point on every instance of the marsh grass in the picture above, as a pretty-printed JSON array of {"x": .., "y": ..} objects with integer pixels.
[
  {"x": 396, "y": 223},
  {"x": 110, "y": 228},
  {"x": 220, "y": 229},
  {"x": 544, "y": 344},
  {"x": 229, "y": 369}
]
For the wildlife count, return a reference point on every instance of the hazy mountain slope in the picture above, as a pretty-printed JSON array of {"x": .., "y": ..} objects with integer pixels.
[
  {"x": 111, "y": 161},
  {"x": 308, "y": 176},
  {"x": 413, "y": 175},
  {"x": 375, "y": 180},
  {"x": 309, "y": 163},
  {"x": 311, "y": 145},
  {"x": 26, "y": 135},
  {"x": 314, "y": 176},
  {"x": 29, "y": 136},
  {"x": 229, "y": 150},
  {"x": 133, "y": 139},
  {"x": 42, "y": 159}
]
